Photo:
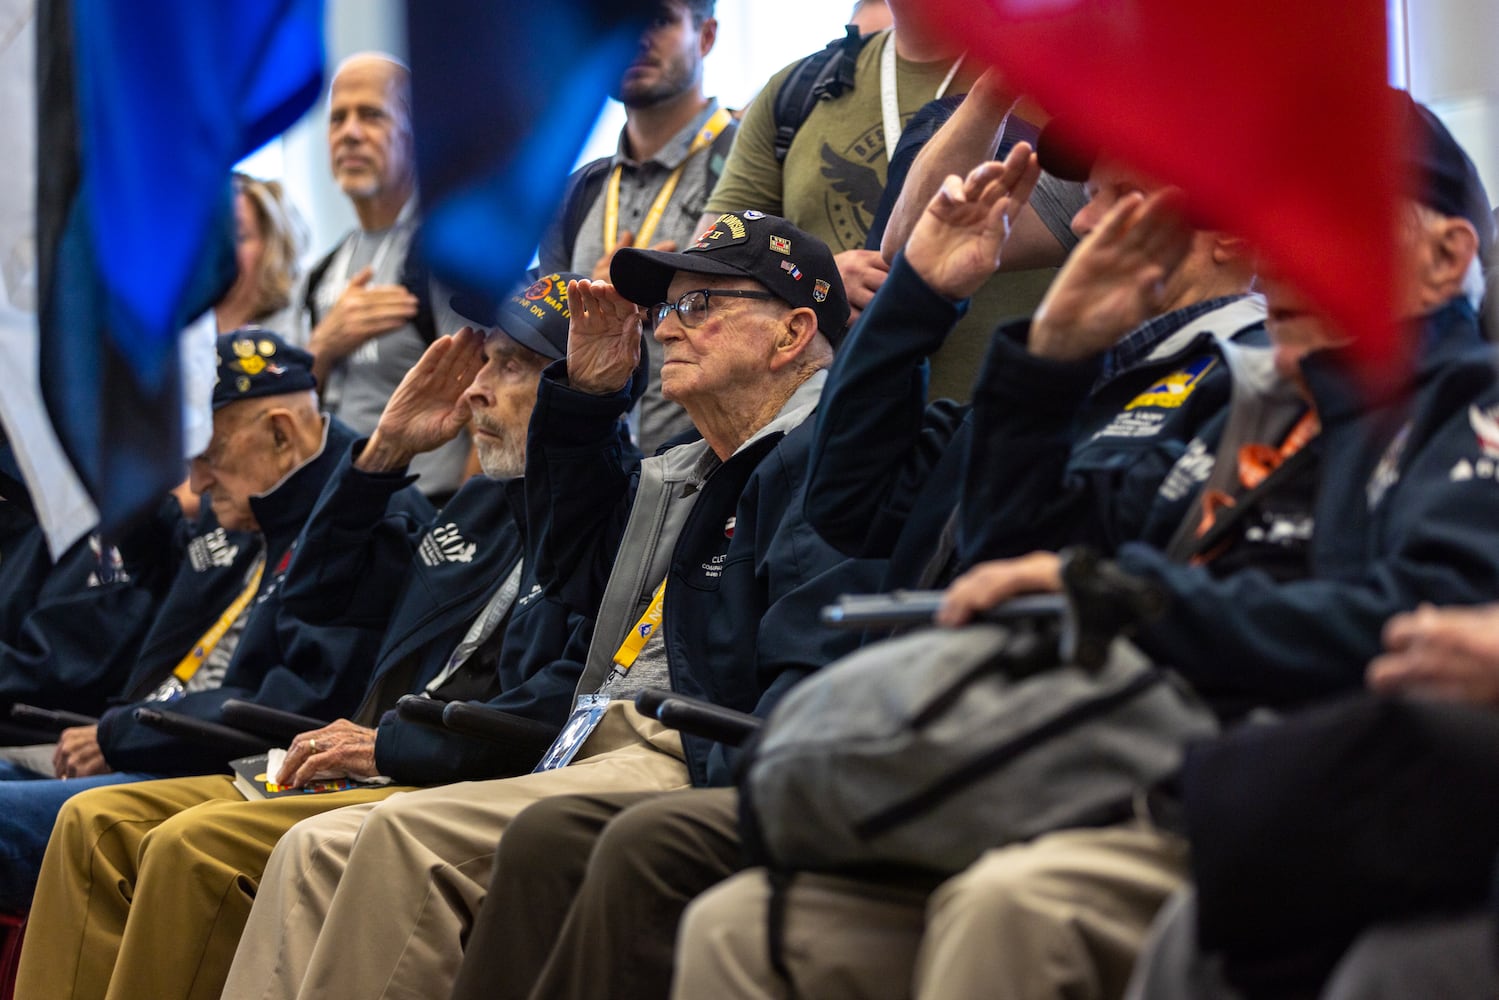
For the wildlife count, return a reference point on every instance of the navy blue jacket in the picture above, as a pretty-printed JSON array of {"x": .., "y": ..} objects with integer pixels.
[
  {"x": 747, "y": 575},
  {"x": 1407, "y": 510},
  {"x": 422, "y": 578},
  {"x": 1059, "y": 458},
  {"x": 888, "y": 468},
  {"x": 279, "y": 662},
  {"x": 199, "y": 568},
  {"x": 69, "y": 630}
]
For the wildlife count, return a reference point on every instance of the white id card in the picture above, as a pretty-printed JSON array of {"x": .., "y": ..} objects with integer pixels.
[{"x": 584, "y": 720}]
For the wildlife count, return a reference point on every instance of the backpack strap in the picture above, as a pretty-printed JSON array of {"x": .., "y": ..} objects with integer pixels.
[
  {"x": 583, "y": 189},
  {"x": 780, "y": 880},
  {"x": 822, "y": 76},
  {"x": 718, "y": 153},
  {"x": 417, "y": 279},
  {"x": 314, "y": 279}
]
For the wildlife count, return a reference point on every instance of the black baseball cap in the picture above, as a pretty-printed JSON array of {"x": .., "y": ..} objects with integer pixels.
[
  {"x": 534, "y": 315},
  {"x": 1446, "y": 180},
  {"x": 255, "y": 362},
  {"x": 794, "y": 265}
]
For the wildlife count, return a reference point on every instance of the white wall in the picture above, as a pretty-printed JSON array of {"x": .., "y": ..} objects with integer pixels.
[{"x": 1452, "y": 54}]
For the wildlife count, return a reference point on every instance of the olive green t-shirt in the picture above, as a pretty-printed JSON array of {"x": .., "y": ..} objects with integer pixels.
[
  {"x": 834, "y": 177},
  {"x": 834, "y": 173}
]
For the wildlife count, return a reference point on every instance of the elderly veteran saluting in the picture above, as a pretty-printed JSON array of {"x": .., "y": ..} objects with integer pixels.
[
  {"x": 462, "y": 619},
  {"x": 714, "y": 592},
  {"x": 271, "y": 453}
]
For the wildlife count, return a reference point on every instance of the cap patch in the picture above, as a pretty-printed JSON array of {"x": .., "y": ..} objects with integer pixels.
[
  {"x": 727, "y": 231},
  {"x": 780, "y": 244},
  {"x": 820, "y": 290},
  {"x": 254, "y": 362},
  {"x": 752, "y": 215},
  {"x": 539, "y": 289},
  {"x": 250, "y": 362}
]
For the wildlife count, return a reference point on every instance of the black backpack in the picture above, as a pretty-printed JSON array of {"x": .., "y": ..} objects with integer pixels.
[{"x": 822, "y": 76}]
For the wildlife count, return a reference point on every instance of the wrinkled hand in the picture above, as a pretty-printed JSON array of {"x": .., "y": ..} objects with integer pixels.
[
  {"x": 338, "y": 750},
  {"x": 603, "y": 337},
  {"x": 1446, "y": 652},
  {"x": 957, "y": 243},
  {"x": 992, "y": 583},
  {"x": 626, "y": 239},
  {"x": 362, "y": 312},
  {"x": 78, "y": 754},
  {"x": 863, "y": 272},
  {"x": 1114, "y": 280},
  {"x": 429, "y": 407}
]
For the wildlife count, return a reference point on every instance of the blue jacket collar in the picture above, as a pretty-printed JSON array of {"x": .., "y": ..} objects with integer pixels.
[{"x": 282, "y": 510}]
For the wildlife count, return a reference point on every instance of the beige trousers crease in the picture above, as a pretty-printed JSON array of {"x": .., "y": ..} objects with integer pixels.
[
  {"x": 377, "y": 901},
  {"x": 1062, "y": 916},
  {"x": 145, "y": 887}
]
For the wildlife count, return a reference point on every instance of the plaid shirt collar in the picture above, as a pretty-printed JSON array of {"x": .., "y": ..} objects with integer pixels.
[{"x": 1135, "y": 346}]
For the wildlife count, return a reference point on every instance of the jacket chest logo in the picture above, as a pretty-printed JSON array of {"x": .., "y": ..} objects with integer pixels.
[
  {"x": 1172, "y": 391},
  {"x": 1485, "y": 465},
  {"x": 446, "y": 544},
  {"x": 109, "y": 567},
  {"x": 211, "y": 551}
]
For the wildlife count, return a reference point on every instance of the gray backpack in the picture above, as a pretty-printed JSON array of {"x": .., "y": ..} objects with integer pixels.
[{"x": 920, "y": 753}]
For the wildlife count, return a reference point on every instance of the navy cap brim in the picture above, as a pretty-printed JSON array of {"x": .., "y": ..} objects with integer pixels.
[
  {"x": 475, "y": 310},
  {"x": 482, "y": 315},
  {"x": 644, "y": 276},
  {"x": 527, "y": 337}
]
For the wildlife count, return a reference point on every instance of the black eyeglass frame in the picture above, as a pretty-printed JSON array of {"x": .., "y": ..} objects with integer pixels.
[{"x": 659, "y": 311}]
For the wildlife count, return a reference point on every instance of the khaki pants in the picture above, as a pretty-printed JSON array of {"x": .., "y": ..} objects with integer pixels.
[
  {"x": 1061, "y": 916},
  {"x": 145, "y": 887},
  {"x": 376, "y": 901}
]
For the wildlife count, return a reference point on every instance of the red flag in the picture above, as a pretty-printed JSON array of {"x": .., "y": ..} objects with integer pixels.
[{"x": 1273, "y": 115}]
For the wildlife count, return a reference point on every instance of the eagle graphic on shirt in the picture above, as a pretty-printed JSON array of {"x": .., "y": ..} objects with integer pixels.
[{"x": 854, "y": 183}]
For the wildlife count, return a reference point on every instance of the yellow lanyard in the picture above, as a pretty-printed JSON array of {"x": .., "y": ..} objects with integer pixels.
[
  {"x": 194, "y": 659},
  {"x": 704, "y": 139},
  {"x": 624, "y": 659}
]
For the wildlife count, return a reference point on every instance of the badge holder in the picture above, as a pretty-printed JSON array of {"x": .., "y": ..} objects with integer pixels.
[{"x": 582, "y": 723}]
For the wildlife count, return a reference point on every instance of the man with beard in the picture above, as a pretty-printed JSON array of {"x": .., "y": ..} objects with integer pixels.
[
  {"x": 366, "y": 306},
  {"x": 652, "y": 190},
  {"x": 466, "y": 621}
]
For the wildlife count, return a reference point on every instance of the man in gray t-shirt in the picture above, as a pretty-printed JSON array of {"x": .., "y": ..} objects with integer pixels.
[{"x": 364, "y": 326}]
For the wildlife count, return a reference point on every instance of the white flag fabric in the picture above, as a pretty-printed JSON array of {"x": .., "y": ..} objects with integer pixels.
[{"x": 63, "y": 507}]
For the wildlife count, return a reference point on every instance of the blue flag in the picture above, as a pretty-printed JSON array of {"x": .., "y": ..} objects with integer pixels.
[
  {"x": 505, "y": 94},
  {"x": 144, "y": 108}
]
